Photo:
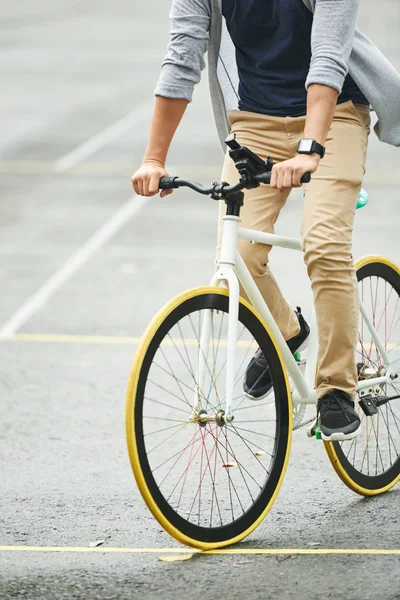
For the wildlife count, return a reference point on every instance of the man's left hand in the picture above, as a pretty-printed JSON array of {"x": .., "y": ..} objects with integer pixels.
[{"x": 287, "y": 174}]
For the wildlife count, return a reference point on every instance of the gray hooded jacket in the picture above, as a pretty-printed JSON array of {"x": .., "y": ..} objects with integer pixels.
[{"x": 197, "y": 26}]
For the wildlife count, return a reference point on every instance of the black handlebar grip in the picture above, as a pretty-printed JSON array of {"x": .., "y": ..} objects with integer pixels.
[
  {"x": 167, "y": 183},
  {"x": 306, "y": 178},
  {"x": 266, "y": 178}
]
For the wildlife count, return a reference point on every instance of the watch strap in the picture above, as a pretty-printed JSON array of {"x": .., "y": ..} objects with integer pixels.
[{"x": 313, "y": 147}]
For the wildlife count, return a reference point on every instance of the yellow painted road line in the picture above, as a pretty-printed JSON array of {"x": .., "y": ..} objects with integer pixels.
[
  {"x": 122, "y": 169},
  {"x": 116, "y": 340},
  {"x": 235, "y": 551},
  {"x": 75, "y": 339},
  {"x": 309, "y": 551},
  {"x": 100, "y": 169},
  {"x": 122, "y": 340},
  {"x": 26, "y": 167},
  {"x": 97, "y": 550}
]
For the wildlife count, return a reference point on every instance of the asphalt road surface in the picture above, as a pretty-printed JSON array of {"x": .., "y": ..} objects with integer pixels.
[{"x": 83, "y": 268}]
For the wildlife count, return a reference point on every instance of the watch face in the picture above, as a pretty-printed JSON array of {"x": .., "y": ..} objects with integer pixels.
[{"x": 305, "y": 145}]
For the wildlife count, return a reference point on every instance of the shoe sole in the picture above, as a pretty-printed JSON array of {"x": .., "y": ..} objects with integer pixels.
[
  {"x": 258, "y": 398},
  {"x": 302, "y": 347},
  {"x": 340, "y": 436}
]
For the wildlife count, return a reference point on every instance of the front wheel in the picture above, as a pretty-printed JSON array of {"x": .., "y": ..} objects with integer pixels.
[
  {"x": 208, "y": 482},
  {"x": 370, "y": 463}
]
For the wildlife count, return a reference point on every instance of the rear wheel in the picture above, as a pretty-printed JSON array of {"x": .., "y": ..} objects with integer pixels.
[
  {"x": 208, "y": 482},
  {"x": 370, "y": 464}
]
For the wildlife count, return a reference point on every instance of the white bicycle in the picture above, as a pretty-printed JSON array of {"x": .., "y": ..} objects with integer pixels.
[{"x": 208, "y": 460}]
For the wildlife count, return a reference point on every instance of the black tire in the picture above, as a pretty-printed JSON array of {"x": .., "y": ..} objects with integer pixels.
[
  {"x": 370, "y": 465},
  {"x": 224, "y": 527}
]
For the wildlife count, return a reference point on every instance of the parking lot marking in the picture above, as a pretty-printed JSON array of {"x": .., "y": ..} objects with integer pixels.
[
  {"x": 116, "y": 340},
  {"x": 101, "y": 139},
  {"x": 112, "y": 340},
  {"x": 77, "y": 260},
  {"x": 75, "y": 339},
  {"x": 122, "y": 169},
  {"x": 108, "y": 340},
  {"x": 26, "y": 167},
  {"x": 104, "y": 168},
  {"x": 240, "y": 551}
]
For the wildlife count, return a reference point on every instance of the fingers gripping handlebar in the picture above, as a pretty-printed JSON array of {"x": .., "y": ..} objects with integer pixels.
[{"x": 266, "y": 178}]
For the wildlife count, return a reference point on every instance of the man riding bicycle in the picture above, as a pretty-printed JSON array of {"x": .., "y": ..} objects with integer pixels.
[{"x": 293, "y": 79}]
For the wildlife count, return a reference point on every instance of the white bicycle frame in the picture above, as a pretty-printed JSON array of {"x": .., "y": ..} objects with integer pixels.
[{"x": 231, "y": 271}]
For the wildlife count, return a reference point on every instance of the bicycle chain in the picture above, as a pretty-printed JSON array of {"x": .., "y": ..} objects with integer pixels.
[{"x": 296, "y": 427}]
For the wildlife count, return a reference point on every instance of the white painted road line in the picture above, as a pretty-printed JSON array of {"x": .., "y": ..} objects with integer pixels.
[
  {"x": 98, "y": 141},
  {"x": 101, "y": 237}
]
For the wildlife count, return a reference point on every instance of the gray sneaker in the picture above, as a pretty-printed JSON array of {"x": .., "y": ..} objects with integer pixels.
[{"x": 337, "y": 418}]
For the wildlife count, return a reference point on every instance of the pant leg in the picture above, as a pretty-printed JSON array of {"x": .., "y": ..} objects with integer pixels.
[
  {"x": 266, "y": 136},
  {"x": 327, "y": 228}
]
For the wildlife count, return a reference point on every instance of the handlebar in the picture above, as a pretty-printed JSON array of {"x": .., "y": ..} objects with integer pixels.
[
  {"x": 167, "y": 183},
  {"x": 306, "y": 178},
  {"x": 216, "y": 190},
  {"x": 253, "y": 171}
]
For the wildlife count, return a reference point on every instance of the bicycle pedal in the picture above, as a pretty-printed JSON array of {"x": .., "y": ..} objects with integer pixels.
[
  {"x": 311, "y": 430},
  {"x": 314, "y": 431}
]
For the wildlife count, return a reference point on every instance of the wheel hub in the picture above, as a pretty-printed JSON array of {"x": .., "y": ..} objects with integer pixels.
[{"x": 203, "y": 417}]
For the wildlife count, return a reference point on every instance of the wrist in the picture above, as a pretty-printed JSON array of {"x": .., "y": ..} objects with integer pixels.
[
  {"x": 153, "y": 161},
  {"x": 313, "y": 157}
]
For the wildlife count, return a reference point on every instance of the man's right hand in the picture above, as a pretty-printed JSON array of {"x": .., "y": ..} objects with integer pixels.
[{"x": 145, "y": 181}]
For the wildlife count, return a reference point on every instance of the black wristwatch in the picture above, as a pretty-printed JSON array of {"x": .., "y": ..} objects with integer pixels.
[{"x": 308, "y": 146}]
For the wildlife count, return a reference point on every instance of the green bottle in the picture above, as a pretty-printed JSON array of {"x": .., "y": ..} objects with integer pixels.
[{"x": 362, "y": 199}]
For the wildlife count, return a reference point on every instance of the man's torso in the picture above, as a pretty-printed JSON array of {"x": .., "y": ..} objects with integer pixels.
[{"x": 273, "y": 52}]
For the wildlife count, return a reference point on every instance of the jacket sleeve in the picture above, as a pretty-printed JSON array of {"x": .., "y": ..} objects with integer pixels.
[
  {"x": 184, "y": 61},
  {"x": 332, "y": 39}
]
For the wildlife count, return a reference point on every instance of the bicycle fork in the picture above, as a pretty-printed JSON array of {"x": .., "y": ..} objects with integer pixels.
[{"x": 224, "y": 274}]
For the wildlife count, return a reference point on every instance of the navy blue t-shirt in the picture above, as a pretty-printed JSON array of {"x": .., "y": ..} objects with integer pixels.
[{"x": 273, "y": 53}]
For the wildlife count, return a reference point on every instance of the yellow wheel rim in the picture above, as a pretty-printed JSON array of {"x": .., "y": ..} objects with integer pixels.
[{"x": 130, "y": 421}]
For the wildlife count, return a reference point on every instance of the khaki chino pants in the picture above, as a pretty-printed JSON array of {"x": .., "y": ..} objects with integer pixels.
[{"x": 326, "y": 230}]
